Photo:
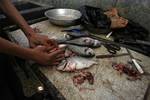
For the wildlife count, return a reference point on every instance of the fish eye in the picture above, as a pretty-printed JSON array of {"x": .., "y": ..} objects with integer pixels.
[
  {"x": 67, "y": 36},
  {"x": 89, "y": 51},
  {"x": 86, "y": 50},
  {"x": 84, "y": 40}
]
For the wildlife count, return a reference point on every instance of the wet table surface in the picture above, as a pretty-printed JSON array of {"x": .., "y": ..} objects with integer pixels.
[{"x": 108, "y": 83}]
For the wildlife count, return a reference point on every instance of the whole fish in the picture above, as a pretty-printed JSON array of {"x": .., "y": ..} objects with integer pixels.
[
  {"x": 75, "y": 33},
  {"x": 75, "y": 63},
  {"x": 84, "y": 41},
  {"x": 81, "y": 51},
  {"x": 59, "y": 37}
]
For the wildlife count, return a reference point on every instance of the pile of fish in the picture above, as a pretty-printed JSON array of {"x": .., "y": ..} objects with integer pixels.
[
  {"x": 78, "y": 52},
  {"x": 81, "y": 46}
]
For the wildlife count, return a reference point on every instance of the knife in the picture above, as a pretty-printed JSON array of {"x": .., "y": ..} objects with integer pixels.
[{"x": 139, "y": 68}]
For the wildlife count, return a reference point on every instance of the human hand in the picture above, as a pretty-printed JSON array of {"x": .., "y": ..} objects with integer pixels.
[
  {"x": 48, "y": 56},
  {"x": 37, "y": 39}
]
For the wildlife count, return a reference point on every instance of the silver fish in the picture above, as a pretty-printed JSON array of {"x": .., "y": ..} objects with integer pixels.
[
  {"x": 84, "y": 41},
  {"x": 81, "y": 51},
  {"x": 75, "y": 63},
  {"x": 59, "y": 36}
]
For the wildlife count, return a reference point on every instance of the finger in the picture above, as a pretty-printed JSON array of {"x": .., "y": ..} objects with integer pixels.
[
  {"x": 57, "y": 52},
  {"x": 38, "y": 43},
  {"x": 50, "y": 48},
  {"x": 60, "y": 55},
  {"x": 54, "y": 42},
  {"x": 62, "y": 49},
  {"x": 53, "y": 50},
  {"x": 46, "y": 44},
  {"x": 36, "y": 30},
  {"x": 32, "y": 45},
  {"x": 55, "y": 63},
  {"x": 60, "y": 59},
  {"x": 49, "y": 42}
]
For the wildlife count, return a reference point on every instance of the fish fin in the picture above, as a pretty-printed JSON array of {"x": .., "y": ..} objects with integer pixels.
[{"x": 62, "y": 65}]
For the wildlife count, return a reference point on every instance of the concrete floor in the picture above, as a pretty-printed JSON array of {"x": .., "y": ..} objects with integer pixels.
[{"x": 108, "y": 84}]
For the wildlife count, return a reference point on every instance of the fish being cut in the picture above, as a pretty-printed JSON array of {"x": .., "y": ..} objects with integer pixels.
[
  {"x": 84, "y": 41},
  {"x": 75, "y": 63},
  {"x": 81, "y": 51}
]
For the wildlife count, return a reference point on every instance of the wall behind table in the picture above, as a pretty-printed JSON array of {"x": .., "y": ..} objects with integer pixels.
[{"x": 136, "y": 10}]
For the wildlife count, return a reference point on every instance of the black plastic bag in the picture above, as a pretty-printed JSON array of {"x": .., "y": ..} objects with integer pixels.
[
  {"x": 94, "y": 19},
  {"x": 130, "y": 34},
  {"x": 133, "y": 31}
]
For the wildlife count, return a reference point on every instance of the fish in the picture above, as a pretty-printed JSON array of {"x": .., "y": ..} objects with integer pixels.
[
  {"x": 76, "y": 33},
  {"x": 66, "y": 38},
  {"x": 84, "y": 41},
  {"x": 81, "y": 51},
  {"x": 75, "y": 63},
  {"x": 59, "y": 37}
]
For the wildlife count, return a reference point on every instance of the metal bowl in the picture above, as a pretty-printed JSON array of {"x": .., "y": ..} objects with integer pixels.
[{"x": 63, "y": 17}]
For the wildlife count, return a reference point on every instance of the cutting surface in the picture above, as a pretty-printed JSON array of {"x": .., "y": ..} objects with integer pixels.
[{"x": 108, "y": 83}]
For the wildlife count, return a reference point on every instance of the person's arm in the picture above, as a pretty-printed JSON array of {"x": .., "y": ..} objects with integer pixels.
[
  {"x": 7, "y": 47},
  {"x": 38, "y": 54},
  {"x": 34, "y": 39},
  {"x": 9, "y": 9}
]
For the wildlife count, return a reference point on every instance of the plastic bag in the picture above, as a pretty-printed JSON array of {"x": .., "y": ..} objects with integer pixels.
[{"x": 95, "y": 19}]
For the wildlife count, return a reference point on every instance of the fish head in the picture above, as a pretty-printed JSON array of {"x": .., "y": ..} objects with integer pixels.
[
  {"x": 92, "y": 42},
  {"x": 97, "y": 43},
  {"x": 89, "y": 52},
  {"x": 68, "y": 37}
]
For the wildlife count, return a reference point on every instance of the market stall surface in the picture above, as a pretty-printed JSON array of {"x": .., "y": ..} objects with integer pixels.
[{"x": 108, "y": 83}]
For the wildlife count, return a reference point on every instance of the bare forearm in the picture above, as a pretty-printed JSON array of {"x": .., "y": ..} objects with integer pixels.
[
  {"x": 10, "y": 10},
  {"x": 15, "y": 50}
]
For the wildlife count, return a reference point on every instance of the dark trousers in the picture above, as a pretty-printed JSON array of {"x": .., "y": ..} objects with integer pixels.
[{"x": 10, "y": 85}]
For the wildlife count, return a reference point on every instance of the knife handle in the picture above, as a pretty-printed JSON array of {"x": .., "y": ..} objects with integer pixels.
[{"x": 138, "y": 66}]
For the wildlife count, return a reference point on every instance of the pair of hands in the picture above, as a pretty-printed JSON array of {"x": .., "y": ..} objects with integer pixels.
[{"x": 45, "y": 50}]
